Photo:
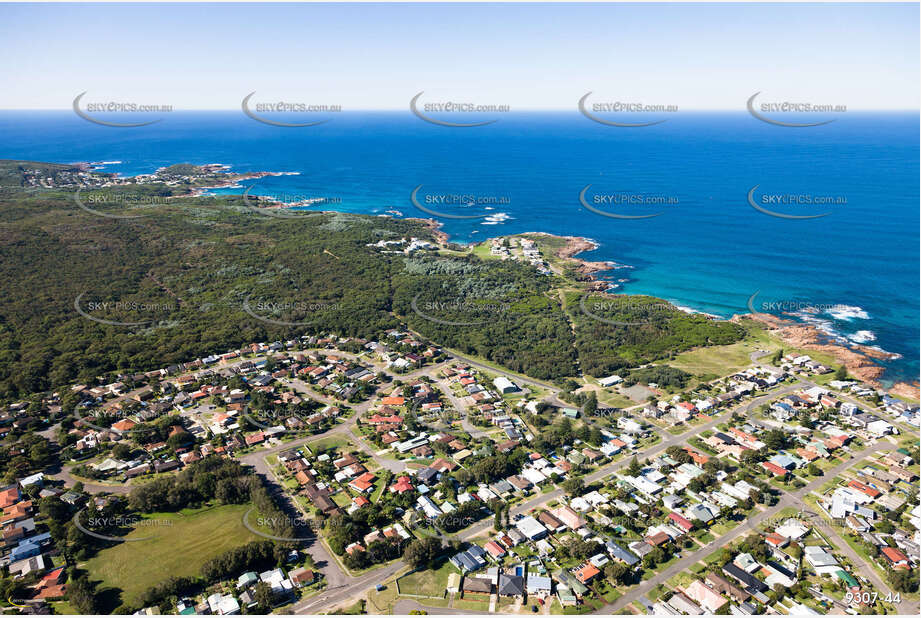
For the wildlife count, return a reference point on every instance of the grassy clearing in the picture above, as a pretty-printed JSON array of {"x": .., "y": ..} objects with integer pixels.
[
  {"x": 330, "y": 442},
  {"x": 706, "y": 537},
  {"x": 681, "y": 580},
  {"x": 717, "y": 360},
  {"x": 177, "y": 548},
  {"x": 342, "y": 498},
  {"x": 430, "y": 583}
]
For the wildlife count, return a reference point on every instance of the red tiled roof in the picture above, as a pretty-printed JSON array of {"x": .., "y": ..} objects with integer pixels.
[
  {"x": 681, "y": 521},
  {"x": 495, "y": 549},
  {"x": 442, "y": 464},
  {"x": 360, "y": 501},
  {"x": 124, "y": 425},
  {"x": 363, "y": 482},
  {"x": 659, "y": 538},
  {"x": 894, "y": 555},
  {"x": 255, "y": 438},
  {"x": 699, "y": 458},
  {"x": 775, "y": 539},
  {"x": 54, "y": 577},
  {"x": 378, "y": 419},
  {"x": 9, "y": 497},
  {"x": 402, "y": 485},
  {"x": 586, "y": 572},
  {"x": 50, "y": 592},
  {"x": 865, "y": 489},
  {"x": 772, "y": 467}
]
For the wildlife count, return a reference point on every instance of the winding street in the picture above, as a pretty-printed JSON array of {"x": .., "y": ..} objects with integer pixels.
[
  {"x": 787, "y": 499},
  {"x": 654, "y": 450},
  {"x": 344, "y": 588}
]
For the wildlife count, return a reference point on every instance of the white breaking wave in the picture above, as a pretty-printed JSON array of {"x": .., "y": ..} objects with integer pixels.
[
  {"x": 823, "y": 325},
  {"x": 862, "y": 336},
  {"x": 828, "y": 328},
  {"x": 847, "y": 313},
  {"x": 496, "y": 219}
]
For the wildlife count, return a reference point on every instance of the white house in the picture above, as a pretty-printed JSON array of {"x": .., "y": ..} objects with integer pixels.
[{"x": 880, "y": 428}]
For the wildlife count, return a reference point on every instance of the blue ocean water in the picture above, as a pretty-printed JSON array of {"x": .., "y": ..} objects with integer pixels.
[{"x": 853, "y": 273}]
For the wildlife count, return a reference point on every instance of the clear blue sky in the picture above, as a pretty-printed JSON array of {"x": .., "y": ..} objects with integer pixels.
[{"x": 536, "y": 56}]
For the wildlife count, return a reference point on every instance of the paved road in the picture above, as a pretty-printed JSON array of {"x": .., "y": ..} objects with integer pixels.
[
  {"x": 600, "y": 473},
  {"x": 869, "y": 571},
  {"x": 787, "y": 499},
  {"x": 343, "y": 588},
  {"x": 346, "y": 589},
  {"x": 64, "y": 475},
  {"x": 514, "y": 377},
  {"x": 461, "y": 409},
  {"x": 404, "y": 606}
]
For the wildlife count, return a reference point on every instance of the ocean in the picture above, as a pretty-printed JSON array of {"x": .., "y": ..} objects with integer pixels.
[{"x": 853, "y": 272}]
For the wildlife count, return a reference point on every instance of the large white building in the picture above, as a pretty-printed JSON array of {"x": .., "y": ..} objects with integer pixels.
[
  {"x": 531, "y": 528},
  {"x": 505, "y": 385}
]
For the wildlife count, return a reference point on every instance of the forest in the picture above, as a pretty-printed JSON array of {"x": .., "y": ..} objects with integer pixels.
[{"x": 86, "y": 295}]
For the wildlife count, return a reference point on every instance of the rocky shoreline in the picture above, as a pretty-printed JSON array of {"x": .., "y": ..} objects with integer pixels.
[
  {"x": 859, "y": 360},
  {"x": 232, "y": 179},
  {"x": 576, "y": 245}
]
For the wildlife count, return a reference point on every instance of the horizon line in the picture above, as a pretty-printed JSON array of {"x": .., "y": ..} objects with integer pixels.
[{"x": 404, "y": 109}]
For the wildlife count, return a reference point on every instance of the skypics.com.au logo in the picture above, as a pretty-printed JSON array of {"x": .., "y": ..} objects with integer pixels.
[
  {"x": 96, "y": 110},
  {"x": 770, "y": 112},
  {"x": 616, "y": 113},
  {"x": 625, "y": 310},
  {"x": 627, "y": 204},
  {"x": 260, "y": 111},
  {"x": 301, "y": 530},
  {"x": 460, "y": 310},
  {"x": 284, "y": 205},
  {"x": 106, "y": 528},
  {"x": 131, "y": 313},
  {"x": 465, "y": 205},
  {"x": 439, "y": 112},
  {"x": 295, "y": 312},
  {"x": 93, "y": 202},
  {"x": 789, "y": 205}
]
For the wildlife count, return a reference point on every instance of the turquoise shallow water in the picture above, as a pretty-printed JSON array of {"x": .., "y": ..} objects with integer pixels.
[{"x": 853, "y": 273}]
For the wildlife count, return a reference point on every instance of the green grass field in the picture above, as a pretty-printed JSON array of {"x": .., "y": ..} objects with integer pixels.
[
  {"x": 718, "y": 360},
  {"x": 177, "y": 549},
  {"x": 427, "y": 582},
  {"x": 331, "y": 442}
]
